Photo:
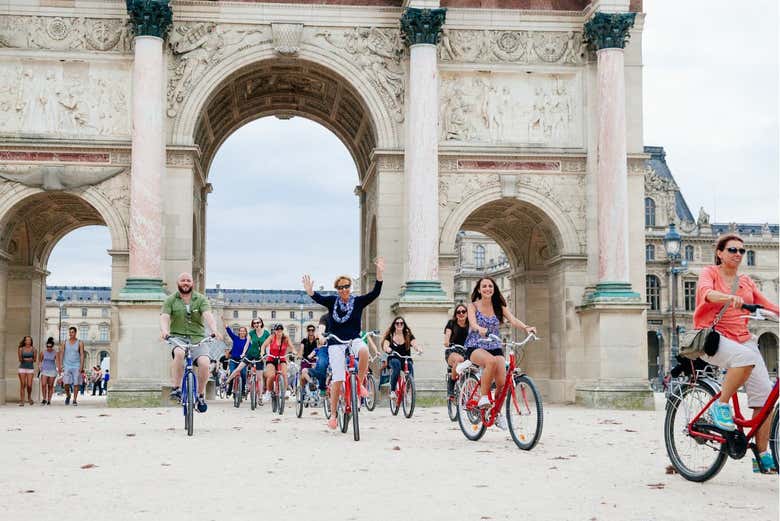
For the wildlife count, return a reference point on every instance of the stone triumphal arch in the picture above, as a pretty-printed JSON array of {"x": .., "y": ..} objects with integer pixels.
[{"x": 520, "y": 120}]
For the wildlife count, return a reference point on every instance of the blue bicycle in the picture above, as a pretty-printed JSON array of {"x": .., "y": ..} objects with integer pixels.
[{"x": 189, "y": 382}]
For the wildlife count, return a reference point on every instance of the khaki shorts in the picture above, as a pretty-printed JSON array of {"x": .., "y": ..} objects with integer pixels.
[{"x": 733, "y": 354}]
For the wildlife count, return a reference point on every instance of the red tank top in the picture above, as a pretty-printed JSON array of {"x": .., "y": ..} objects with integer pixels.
[{"x": 276, "y": 350}]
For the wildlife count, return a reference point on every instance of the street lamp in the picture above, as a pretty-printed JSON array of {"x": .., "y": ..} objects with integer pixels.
[
  {"x": 672, "y": 243},
  {"x": 60, "y": 301}
]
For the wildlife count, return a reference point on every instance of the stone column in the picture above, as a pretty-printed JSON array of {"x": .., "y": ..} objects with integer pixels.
[
  {"x": 150, "y": 20},
  {"x": 421, "y": 29},
  {"x": 7, "y": 341},
  {"x": 607, "y": 34}
]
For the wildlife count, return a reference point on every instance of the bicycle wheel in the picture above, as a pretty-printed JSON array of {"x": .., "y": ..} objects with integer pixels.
[
  {"x": 252, "y": 392},
  {"x": 469, "y": 419},
  {"x": 371, "y": 387},
  {"x": 220, "y": 391},
  {"x": 326, "y": 406},
  {"x": 524, "y": 413},
  {"x": 299, "y": 396},
  {"x": 394, "y": 405},
  {"x": 452, "y": 403},
  {"x": 237, "y": 391},
  {"x": 189, "y": 413},
  {"x": 341, "y": 415},
  {"x": 774, "y": 436},
  {"x": 282, "y": 392},
  {"x": 696, "y": 459},
  {"x": 355, "y": 397},
  {"x": 410, "y": 395}
]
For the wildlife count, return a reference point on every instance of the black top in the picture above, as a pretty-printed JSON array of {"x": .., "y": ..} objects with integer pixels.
[
  {"x": 402, "y": 349},
  {"x": 458, "y": 335},
  {"x": 350, "y": 329},
  {"x": 223, "y": 360},
  {"x": 308, "y": 347}
]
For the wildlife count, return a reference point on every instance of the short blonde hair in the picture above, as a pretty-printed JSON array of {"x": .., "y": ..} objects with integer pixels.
[{"x": 340, "y": 278}]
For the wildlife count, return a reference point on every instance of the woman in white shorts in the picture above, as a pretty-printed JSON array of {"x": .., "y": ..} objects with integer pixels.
[
  {"x": 737, "y": 351},
  {"x": 48, "y": 361}
]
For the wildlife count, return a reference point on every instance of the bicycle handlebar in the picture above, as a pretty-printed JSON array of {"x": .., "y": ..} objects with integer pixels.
[
  {"x": 399, "y": 355},
  {"x": 178, "y": 342},
  {"x": 759, "y": 313}
]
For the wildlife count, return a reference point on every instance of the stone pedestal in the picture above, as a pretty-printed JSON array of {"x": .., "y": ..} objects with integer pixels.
[
  {"x": 614, "y": 363},
  {"x": 142, "y": 360}
]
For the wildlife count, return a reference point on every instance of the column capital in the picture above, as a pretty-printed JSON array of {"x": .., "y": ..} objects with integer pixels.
[
  {"x": 422, "y": 25},
  {"x": 608, "y": 30},
  {"x": 150, "y": 17}
]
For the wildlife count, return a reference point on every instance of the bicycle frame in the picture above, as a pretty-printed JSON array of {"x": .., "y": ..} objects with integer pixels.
[
  {"x": 401, "y": 390},
  {"x": 187, "y": 370},
  {"x": 753, "y": 424}
]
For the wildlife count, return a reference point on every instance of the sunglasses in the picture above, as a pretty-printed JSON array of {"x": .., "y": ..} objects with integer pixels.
[
  {"x": 310, "y": 330},
  {"x": 460, "y": 312},
  {"x": 399, "y": 323},
  {"x": 345, "y": 286},
  {"x": 734, "y": 250}
]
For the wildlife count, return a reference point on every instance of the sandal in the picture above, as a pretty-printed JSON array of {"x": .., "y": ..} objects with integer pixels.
[{"x": 21, "y": 404}]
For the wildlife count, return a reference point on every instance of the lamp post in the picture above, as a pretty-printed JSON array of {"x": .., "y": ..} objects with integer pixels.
[
  {"x": 672, "y": 243},
  {"x": 60, "y": 301}
]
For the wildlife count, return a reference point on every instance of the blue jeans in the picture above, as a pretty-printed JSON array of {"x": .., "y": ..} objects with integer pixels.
[
  {"x": 320, "y": 371},
  {"x": 395, "y": 370},
  {"x": 232, "y": 367}
]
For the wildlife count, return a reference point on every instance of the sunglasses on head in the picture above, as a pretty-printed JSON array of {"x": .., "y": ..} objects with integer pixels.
[
  {"x": 345, "y": 286},
  {"x": 734, "y": 250}
]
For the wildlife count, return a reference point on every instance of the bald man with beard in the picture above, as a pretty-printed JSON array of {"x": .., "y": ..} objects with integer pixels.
[{"x": 182, "y": 316}]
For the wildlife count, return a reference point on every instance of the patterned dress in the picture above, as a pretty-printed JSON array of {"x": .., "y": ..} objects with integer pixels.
[{"x": 472, "y": 341}]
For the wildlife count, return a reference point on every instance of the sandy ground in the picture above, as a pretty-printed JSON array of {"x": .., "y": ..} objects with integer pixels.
[{"x": 590, "y": 465}]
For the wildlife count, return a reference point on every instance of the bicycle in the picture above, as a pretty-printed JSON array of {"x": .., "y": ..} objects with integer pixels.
[
  {"x": 697, "y": 449},
  {"x": 306, "y": 394},
  {"x": 348, "y": 405},
  {"x": 253, "y": 383},
  {"x": 452, "y": 401},
  {"x": 523, "y": 409},
  {"x": 278, "y": 388},
  {"x": 189, "y": 382},
  {"x": 222, "y": 385},
  {"x": 406, "y": 393}
]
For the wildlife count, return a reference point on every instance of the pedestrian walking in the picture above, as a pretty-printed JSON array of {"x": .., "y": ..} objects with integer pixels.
[
  {"x": 48, "y": 367},
  {"x": 70, "y": 364},
  {"x": 26, "y": 354}
]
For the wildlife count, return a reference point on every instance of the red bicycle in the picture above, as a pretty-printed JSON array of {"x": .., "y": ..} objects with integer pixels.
[
  {"x": 254, "y": 384},
  {"x": 279, "y": 387},
  {"x": 523, "y": 407},
  {"x": 696, "y": 448},
  {"x": 406, "y": 394},
  {"x": 348, "y": 405}
]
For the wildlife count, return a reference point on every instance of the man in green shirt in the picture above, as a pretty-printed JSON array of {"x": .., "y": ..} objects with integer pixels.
[{"x": 182, "y": 316}]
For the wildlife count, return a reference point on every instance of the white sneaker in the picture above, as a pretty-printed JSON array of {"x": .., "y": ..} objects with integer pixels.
[
  {"x": 287, "y": 394},
  {"x": 266, "y": 396},
  {"x": 501, "y": 422},
  {"x": 463, "y": 366},
  {"x": 484, "y": 401}
]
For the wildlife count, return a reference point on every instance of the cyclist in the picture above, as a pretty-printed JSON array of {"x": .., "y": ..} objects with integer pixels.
[
  {"x": 307, "y": 353},
  {"x": 182, "y": 315},
  {"x": 455, "y": 333},
  {"x": 241, "y": 344},
  {"x": 320, "y": 370},
  {"x": 399, "y": 338},
  {"x": 737, "y": 350},
  {"x": 344, "y": 314},
  {"x": 276, "y": 346},
  {"x": 487, "y": 311}
]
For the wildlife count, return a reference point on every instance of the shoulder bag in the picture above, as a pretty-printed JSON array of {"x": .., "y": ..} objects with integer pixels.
[{"x": 697, "y": 342}]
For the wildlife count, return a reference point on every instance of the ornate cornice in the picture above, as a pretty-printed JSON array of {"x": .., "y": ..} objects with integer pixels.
[
  {"x": 605, "y": 31},
  {"x": 422, "y": 25},
  {"x": 150, "y": 17}
]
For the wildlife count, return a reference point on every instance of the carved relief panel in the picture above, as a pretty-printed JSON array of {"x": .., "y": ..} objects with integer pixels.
[
  {"x": 511, "y": 108},
  {"x": 521, "y": 47},
  {"x": 65, "y": 98}
]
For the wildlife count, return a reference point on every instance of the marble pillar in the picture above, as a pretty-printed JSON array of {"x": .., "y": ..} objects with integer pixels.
[
  {"x": 150, "y": 20},
  {"x": 421, "y": 29}
]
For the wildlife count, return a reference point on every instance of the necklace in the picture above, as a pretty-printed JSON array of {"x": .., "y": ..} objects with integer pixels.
[{"x": 344, "y": 309}]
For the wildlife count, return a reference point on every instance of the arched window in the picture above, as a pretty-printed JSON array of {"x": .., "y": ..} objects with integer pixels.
[
  {"x": 751, "y": 258},
  {"x": 689, "y": 253},
  {"x": 649, "y": 212},
  {"x": 479, "y": 256},
  {"x": 653, "y": 292},
  {"x": 649, "y": 252},
  {"x": 273, "y": 314},
  {"x": 311, "y": 315}
]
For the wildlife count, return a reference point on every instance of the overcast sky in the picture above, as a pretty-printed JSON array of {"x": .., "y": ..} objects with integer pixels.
[{"x": 283, "y": 189}]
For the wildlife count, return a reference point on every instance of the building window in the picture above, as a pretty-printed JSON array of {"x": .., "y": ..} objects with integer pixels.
[
  {"x": 689, "y": 253},
  {"x": 649, "y": 252},
  {"x": 64, "y": 312},
  {"x": 649, "y": 212},
  {"x": 689, "y": 293},
  {"x": 273, "y": 314},
  {"x": 311, "y": 315},
  {"x": 103, "y": 332},
  {"x": 83, "y": 331},
  {"x": 254, "y": 313},
  {"x": 292, "y": 331},
  {"x": 653, "y": 292},
  {"x": 104, "y": 312},
  {"x": 751, "y": 258},
  {"x": 292, "y": 314},
  {"x": 235, "y": 313},
  {"x": 479, "y": 256},
  {"x": 84, "y": 312},
  {"x": 63, "y": 332}
]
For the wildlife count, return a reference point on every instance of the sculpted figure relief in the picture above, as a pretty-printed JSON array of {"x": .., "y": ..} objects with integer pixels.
[
  {"x": 508, "y": 108},
  {"x": 63, "y": 33},
  {"x": 525, "y": 47},
  {"x": 64, "y": 99},
  {"x": 704, "y": 217}
]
